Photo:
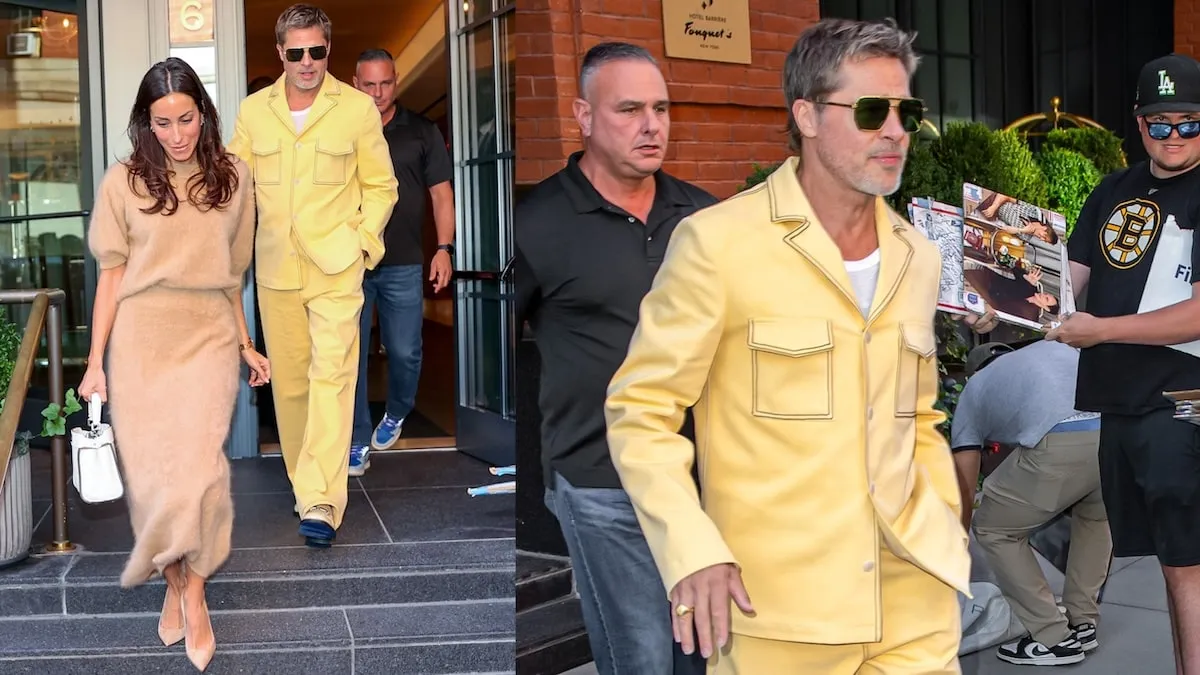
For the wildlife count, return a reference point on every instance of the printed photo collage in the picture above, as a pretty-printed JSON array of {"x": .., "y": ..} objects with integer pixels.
[{"x": 998, "y": 253}]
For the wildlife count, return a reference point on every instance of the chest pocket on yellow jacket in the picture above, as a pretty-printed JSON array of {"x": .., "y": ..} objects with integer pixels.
[
  {"x": 792, "y": 367},
  {"x": 268, "y": 163},
  {"x": 332, "y": 165},
  {"x": 917, "y": 346}
]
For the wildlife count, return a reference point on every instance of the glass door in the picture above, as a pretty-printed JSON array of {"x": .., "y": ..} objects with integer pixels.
[
  {"x": 483, "y": 90},
  {"x": 45, "y": 164}
]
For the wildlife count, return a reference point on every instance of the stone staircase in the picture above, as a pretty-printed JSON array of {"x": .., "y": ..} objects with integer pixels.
[
  {"x": 551, "y": 635},
  {"x": 419, "y": 581}
]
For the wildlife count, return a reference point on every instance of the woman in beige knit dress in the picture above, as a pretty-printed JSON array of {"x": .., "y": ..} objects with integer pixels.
[{"x": 173, "y": 232}]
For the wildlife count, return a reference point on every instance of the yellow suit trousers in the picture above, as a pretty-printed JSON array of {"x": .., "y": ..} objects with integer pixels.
[
  {"x": 922, "y": 629},
  {"x": 312, "y": 339}
]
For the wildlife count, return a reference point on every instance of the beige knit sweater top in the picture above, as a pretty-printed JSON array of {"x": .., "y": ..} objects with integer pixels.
[{"x": 190, "y": 249}]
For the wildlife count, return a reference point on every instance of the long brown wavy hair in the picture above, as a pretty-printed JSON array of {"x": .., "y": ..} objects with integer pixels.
[{"x": 214, "y": 185}]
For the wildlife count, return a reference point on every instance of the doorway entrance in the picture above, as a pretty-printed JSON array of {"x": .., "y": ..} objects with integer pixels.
[{"x": 414, "y": 32}]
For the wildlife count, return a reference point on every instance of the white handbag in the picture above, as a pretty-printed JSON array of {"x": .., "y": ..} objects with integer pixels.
[{"x": 95, "y": 475}]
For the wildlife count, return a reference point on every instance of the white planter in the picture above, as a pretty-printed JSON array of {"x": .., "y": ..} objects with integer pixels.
[{"x": 16, "y": 511}]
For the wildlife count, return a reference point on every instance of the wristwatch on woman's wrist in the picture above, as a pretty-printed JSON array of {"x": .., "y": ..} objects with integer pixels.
[
  {"x": 248, "y": 344},
  {"x": 448, "y": 248}
]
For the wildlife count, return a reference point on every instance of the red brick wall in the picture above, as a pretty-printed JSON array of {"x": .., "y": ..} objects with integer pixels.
[
  {"x": 1187, "y": 27},
  {"x": 724, "y": 117}
]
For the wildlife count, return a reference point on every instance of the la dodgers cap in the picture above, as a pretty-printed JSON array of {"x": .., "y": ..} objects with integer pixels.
[{"x": 1169, "y": 84}]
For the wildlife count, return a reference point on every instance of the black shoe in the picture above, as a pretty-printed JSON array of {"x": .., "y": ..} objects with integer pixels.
[
  {"x": 316, "y": 526},
  {"x": 1085, "y": 634},
  {"x": 1030, "y": 652}
]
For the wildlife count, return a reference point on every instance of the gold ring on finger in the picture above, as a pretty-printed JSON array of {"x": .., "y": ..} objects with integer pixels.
[{"x": 682, "y": 610}]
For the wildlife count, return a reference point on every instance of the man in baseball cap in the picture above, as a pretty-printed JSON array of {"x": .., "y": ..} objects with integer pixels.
[
  {"x": 1170, "y": 84},
  {"x": 1026, "y": 398},
  {"x": 1133, "y": 251},
  {"x": 982, "y": 355}
]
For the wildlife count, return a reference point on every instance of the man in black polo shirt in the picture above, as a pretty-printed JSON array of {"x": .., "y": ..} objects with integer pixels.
[
  {"x": 589, "y": 240},
  {"x": 422, "y": 165},
  {"x": 1133, "y": 249}
]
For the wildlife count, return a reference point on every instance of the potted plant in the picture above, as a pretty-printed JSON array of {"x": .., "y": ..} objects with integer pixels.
[{"x": 16, "y": 492}]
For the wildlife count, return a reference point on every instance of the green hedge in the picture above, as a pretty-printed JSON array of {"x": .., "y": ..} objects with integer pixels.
[
  {"x": 1101, "y": 146},
  {"x": 10, "y": 344},
  {"x": 1070, "y": 178},
  {"x": 1059, "y": 176}
]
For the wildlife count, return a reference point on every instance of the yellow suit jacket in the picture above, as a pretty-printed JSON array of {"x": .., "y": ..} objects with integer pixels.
[
  {"x": 816, "y": 434},
  {"x": 326, "y": 192}
]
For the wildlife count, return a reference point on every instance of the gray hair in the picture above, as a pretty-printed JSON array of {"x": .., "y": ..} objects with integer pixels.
[
  {"x": 812, "y": 67},
  {"x": 607, "y": 52},
  {"x": 299, "y": 17},
  {"x": 370, "y": 55}
]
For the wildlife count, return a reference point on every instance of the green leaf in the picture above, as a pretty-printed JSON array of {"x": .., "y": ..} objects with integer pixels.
[
  {"x": 52, "y": 411},
  {"x": 72, "y": 403},
  {"x": 54, "y": 427}
]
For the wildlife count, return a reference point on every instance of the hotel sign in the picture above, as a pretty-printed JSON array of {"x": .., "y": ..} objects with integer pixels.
[
  {"x": 707, "y": 30},
  {"x": 191, "y": 22}
]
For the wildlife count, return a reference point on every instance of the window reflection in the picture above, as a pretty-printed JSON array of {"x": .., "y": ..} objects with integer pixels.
[{"x": 40, "y": 161}]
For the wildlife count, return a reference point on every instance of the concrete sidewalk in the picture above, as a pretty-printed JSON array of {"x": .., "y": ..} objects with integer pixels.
[{"x": 1135, "y": 636}]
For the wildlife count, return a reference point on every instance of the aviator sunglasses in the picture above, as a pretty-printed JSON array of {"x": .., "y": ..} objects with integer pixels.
[
  {"x": 870, "y": 112},
  {"x": 296, "y": 54},
  {"x": 1161, "y": 131}
]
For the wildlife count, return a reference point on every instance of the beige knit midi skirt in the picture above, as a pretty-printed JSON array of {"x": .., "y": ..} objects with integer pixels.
[{"x": 173, "y": 368}]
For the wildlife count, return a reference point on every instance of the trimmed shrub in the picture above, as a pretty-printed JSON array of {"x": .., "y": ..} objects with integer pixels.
[
  {"x": 1070, "y": 178},
  {"x": 1101, "y": 146}
]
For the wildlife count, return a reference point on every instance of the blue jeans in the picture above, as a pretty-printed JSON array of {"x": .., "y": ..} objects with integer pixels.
[
  {"x": 625, "y": 606},
  {"x": 398, "y": 291}
]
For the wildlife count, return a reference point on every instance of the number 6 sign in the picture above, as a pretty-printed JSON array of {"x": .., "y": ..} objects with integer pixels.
[
  {"x": 191, "y": 16},
  {"x": 191, "y": 22}
]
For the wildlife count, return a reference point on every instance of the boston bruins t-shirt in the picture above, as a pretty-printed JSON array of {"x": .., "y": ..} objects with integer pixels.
[{"x": 1135, "y": 233}]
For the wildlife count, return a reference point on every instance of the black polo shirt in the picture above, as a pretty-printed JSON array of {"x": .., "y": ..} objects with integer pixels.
[
  {"x": 420, "y": 159},
  {"x": 582, "y": 267}
]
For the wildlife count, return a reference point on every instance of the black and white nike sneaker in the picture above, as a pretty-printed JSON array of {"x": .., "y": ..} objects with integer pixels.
[
  {"x": 1085, "y": 634},
  {"x": 1030, "y": 652}
]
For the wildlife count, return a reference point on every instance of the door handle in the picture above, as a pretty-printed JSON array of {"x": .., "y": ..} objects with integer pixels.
[{"x": 476, "y": 275}]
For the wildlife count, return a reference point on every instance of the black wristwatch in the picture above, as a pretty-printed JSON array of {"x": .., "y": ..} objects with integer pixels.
[{"x": 448, "y": 248}]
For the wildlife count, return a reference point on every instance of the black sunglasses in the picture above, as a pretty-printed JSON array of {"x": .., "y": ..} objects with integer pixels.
[
  {"x": 870, "y": 112},
  {"x": 1161, "y": 131},
  {"x": 296, "y": 54}
]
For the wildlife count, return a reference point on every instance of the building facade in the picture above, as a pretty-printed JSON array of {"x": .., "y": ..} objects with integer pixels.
[
  {"x": 992, "y": 62},
  {"x": 70, "y": 74},
  {"x": 725, "y": 117}
]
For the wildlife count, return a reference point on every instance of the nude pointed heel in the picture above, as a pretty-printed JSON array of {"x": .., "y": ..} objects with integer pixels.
[
  {"x": 170, "y": 636},
  {"x": 200, "y": 657}
]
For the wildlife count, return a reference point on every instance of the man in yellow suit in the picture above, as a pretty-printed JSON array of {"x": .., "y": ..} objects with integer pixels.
[
  {"x": 797, "y": 318},
  {"x": 325, "y": 189}
]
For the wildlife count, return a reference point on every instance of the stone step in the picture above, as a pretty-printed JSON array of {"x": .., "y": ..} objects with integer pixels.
[
  {"x": 394, "y": 639},
  {"x": 551, "y": 638},
  {"x": 275, "y": 578},
  {"x": 542, "y": 580}
]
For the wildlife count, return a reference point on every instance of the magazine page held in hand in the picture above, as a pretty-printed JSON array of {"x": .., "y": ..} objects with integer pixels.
[
  {"x": 1014, "y": 254},
  {"x": 1187, "y": 405},
  {"x": 942, "y": 224}
]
